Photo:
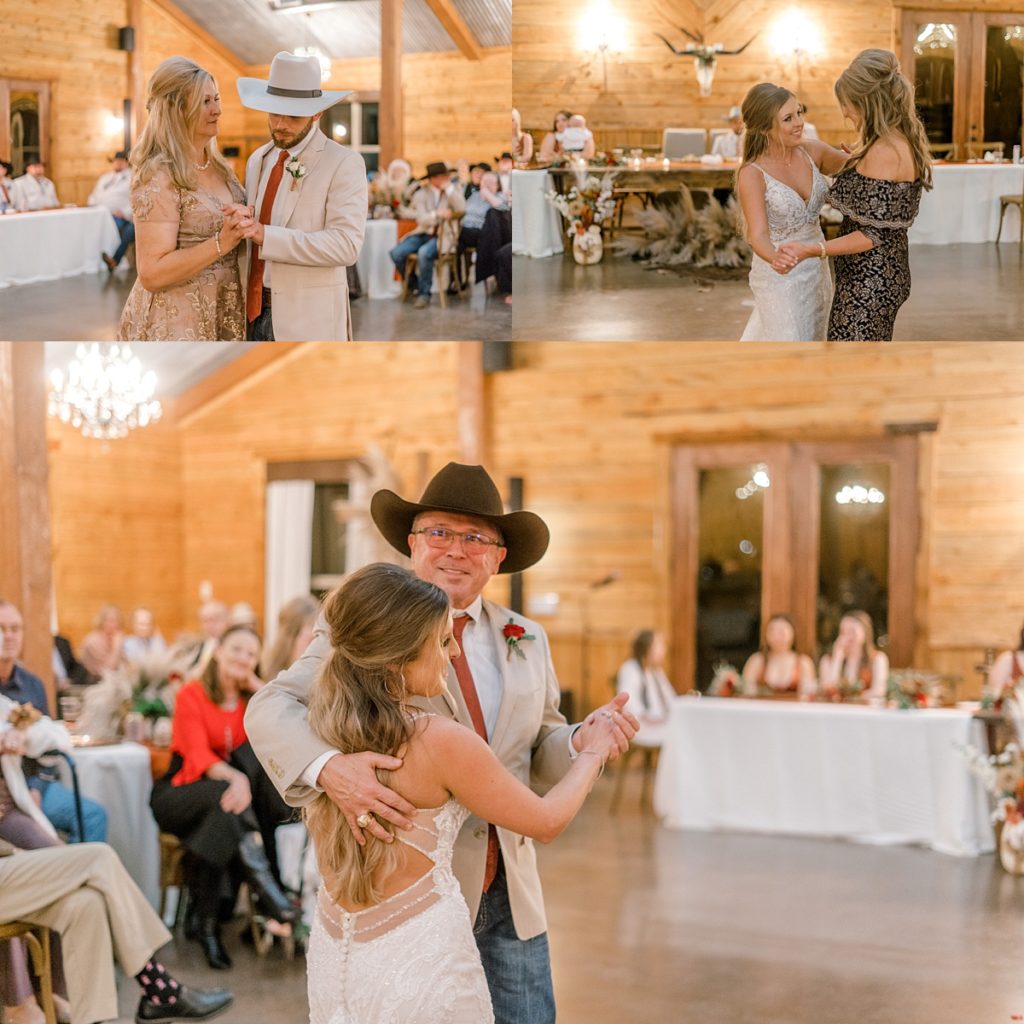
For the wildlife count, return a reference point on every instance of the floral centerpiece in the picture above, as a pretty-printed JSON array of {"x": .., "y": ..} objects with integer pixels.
[
  {"x": 386, "y": 197},
  {"x": 1002, "y": 775},
  {"x": 726, "y": 682},
  {"x": 911, "y": 688},
  {"x": 585, "y": 207}
]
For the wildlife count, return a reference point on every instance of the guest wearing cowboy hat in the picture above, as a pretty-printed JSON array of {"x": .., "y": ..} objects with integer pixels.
[
  {"x": 727, "y": 143},
  {"x": 437, "y": 201},
  {"x": 503, "y": 684},
  {"x": 309, "y": 198}
]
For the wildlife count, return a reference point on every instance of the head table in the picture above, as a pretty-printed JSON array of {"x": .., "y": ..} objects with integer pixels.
[
  {"x": 840, "y": 771},
  {"x": 963, "y": 205},
  {"x": 48, "y": 244}
]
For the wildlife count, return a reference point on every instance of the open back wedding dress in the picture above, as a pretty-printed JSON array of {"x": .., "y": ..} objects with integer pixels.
[
  {"x": 793, "y": 306},
  {"x": 410, "y": 959}
]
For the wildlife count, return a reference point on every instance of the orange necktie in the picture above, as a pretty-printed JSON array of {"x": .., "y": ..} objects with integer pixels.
[
  {"x": 254, "y": 291},
  {"x": 476, "y": 714}
]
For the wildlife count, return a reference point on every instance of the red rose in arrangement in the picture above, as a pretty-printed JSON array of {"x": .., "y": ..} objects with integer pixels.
[{"x": 513, "y": 635}]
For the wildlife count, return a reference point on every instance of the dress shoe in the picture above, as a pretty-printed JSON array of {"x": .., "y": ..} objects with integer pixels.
[
  {"x": 191, "y": 1004},
  {"x": 213, "y": 949},
  {"x": 109, "y": 260},
  {"x": 422, "y": 301},
  {"x": 258, "y": 874}
]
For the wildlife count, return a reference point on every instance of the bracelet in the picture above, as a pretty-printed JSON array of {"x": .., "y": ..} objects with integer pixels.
[
  {"x": 824, "y": 254},
  {"x": 595, "y": 754},
  {"x": 216, "y": 242}
]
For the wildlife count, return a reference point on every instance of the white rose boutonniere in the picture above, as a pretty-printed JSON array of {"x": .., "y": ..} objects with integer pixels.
[{"x": 297, "y": 169}]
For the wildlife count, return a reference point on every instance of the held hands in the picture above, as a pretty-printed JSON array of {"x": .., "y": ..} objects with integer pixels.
[
  {"x": 350, "y": 780},
  {"x": 789, "y": 254},
  {"x": 609, "y": 728},
  {"x": 239, "y": 223},
  {"x": 238, "y": 796}
]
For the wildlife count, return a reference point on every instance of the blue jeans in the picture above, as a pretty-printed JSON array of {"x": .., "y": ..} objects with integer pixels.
[
  {"x": 518, "y": 970},
  {"x": 59, "y": 807},
  {"x": 425, "y": 246},
  {"x": 126, "y": 229}
]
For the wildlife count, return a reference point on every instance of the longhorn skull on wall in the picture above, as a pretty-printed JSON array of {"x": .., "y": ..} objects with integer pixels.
[{"x": 704, "y": 56}]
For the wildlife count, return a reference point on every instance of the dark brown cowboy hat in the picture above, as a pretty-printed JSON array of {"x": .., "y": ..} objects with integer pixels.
[{"x": 466, "y": 491}]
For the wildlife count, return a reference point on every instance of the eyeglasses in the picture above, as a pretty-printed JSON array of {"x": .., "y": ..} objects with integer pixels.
[
  {"x": 13, "y": 630},
  {"x": 472, "y": 543}
]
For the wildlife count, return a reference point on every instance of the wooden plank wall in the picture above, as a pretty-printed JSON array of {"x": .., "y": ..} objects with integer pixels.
[
  {"x": 649, "y": 89},
  {"x": 454, "y": 107},
  {"x": 589, "y": 427}
]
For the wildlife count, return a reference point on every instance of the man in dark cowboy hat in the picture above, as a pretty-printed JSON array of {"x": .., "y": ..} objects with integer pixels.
[
  {"x": 309, "y": 198},
  {"x": 437, "y": 200},
  {"x": 503, "y": 685}
]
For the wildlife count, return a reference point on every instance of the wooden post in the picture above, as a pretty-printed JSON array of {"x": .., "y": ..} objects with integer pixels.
[
  {"x": 136, "y": 84},
  {"x": 471, "y": 425},
  {"x": 392, "y": 125},
  {"x": 25, "y": 559}
]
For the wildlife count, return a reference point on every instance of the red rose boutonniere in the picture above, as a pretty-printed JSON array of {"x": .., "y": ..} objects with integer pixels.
[{"x": 514, "y": 635}]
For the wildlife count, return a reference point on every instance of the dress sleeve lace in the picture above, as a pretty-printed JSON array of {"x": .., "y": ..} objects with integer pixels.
[{"x": 157, "y": 200}]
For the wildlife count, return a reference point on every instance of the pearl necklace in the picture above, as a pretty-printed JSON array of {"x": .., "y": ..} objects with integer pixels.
[{"x": 203, "y": 167}]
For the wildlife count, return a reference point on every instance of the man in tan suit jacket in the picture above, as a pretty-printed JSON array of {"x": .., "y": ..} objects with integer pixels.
[
  {"x": 458, "y": 537},
  {"x": 309, "y": 199}
]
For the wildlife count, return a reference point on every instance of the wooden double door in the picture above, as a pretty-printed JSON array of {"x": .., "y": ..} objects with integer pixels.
[{"x": 810, "y": 529}]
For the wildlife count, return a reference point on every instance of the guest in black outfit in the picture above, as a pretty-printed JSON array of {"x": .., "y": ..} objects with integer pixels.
[{"x": 878, "y": 192}]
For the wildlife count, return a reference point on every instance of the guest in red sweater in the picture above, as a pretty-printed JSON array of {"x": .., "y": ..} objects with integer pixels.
[{"x": 215, "y": 796}]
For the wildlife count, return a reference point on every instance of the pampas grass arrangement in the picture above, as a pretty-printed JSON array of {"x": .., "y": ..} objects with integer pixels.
[{"x": 677, "y": 234}]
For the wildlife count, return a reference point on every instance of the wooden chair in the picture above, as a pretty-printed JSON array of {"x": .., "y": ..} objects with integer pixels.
[
  {"x": 172, "y": 874},
  {"x": 1005, "y": 202},
  {"x": 37, "y": 941},
  {"x": 446, "y": 267},
  {"x": 650, "y": 756}
]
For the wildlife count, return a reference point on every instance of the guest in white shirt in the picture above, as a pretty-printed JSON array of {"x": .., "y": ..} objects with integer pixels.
[
  {"x": 33, "y": 190},
  {"x": 577, "y": 138},
  {"x": 6, "y": 183},
  {"x": 727, "y": 144},
  {"x": 113, "y": 190},
  {"x": 650, "y": 693},
  {"x": 810, "y": 132},
  {"x": 145, "y": 639}
]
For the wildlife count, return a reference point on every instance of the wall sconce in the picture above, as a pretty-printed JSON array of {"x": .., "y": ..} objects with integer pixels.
[
  {"x": 114, "y": 125},
  {"x": 602, "y": 31},
  {"x": 795, "y": 36}
]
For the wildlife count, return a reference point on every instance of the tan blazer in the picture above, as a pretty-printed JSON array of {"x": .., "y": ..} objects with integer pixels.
[
  {"x": 315, "y": 233},
  {"x": 531, "y": 738}
]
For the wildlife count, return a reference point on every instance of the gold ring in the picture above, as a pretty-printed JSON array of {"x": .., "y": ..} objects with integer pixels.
[{"x": 363, "y": 821}]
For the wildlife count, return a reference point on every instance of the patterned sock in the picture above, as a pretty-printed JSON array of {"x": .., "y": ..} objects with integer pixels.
[{"x": 158, "y": 985}]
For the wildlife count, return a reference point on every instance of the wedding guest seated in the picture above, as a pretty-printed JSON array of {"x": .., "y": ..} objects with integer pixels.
[
  {"x": 1007, "y": 670},
  {"x": 479, "y": 203},
  {"x": 778, "y": 668},
  {"x": 854, "y": 667},
  {"x": 113, "y": 190},
  {"x": 650, "y": 693},
  {"x": 84, "y": 894},
  {"x": 101, "y": 650},
  {"x": 494, "y": 235},
  {"x": 214, "y": 618},
  {"x": 39, "y": 781},
  {"x": 217, "y": 799},
  {"x": 505, "y": 164},
  {"x": 474, "y": 175},
  {"x": 503, "y": 272},
  {"x": 295, "y": 622},
  {"x": 728, "y": 144},
  {"x": 551, "y": 145},
  {"x": 437, "y": 201},
  {"x": 522, "y": 142},
  {"x": 6, "y": 181},
  {"x": 33, "y": 190},
  {"x": 145, "y": 640},
  {"x": 578, "y": 139}
]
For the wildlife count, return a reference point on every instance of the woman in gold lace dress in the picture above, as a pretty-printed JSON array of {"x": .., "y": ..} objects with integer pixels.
[{"x": 186, "y": 248}]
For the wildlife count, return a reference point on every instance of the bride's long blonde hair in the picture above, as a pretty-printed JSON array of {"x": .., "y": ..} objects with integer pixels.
[
  {"x": 378, "y": 620},
  {"x": 174, "y": 103}
]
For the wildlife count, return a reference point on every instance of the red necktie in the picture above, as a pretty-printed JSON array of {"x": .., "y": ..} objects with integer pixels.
[
  {"x": 254, "y": 292},
  {"x": 476, "y": 714}
]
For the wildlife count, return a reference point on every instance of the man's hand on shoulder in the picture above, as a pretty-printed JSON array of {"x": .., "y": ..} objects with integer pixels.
[{"x": 350, "y": 780}]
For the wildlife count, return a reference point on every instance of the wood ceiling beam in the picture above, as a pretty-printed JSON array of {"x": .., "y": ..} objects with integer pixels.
[{"x": 453, "y": 23}]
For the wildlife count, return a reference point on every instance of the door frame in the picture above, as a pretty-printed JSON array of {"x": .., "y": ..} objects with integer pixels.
[{"x": 9, "y": 85}]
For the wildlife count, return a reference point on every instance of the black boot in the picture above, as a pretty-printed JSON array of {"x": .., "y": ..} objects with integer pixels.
[
  {"x": 209, "y": 940},
  {"x": 258, "y": 874}
]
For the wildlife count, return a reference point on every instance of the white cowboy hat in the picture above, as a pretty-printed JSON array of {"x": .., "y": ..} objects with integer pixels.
[
  {"x": 734, "y": 112},
  {"x": 293, "y": 89}
]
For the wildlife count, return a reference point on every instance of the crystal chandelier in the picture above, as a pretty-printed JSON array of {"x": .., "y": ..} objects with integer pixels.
[{"x": 104, "y": 392}]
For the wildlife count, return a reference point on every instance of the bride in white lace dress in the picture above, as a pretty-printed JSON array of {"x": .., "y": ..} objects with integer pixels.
[
  {"x": 781, "y": 190},
  {"x": 392, "y": 941}
]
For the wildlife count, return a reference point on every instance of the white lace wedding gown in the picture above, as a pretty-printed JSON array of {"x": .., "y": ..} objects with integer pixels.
[
  {"x": 411, "y": 959},
  {"x": 793, "y": 306}
]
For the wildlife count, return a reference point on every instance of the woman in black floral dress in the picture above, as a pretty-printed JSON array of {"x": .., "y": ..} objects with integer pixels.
[{"x": 878, "y": 192}]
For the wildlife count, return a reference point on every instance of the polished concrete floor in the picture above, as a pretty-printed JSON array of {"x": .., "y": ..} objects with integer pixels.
[
  {"x": 88, "y": 308},
  {"x": 651, "y": 926},
  {"x": 960, "y": 292}
]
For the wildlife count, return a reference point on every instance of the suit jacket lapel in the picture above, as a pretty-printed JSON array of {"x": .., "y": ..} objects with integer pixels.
[
  {"x": 252, "y": 180},
  {"x": 286, "y": 203}
]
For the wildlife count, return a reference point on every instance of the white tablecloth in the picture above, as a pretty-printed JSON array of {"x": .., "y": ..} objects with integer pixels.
[
  {"x": 54, "y": 243},
  {"x": 853, "y": 772},
  {"x": 376, "y": 271},
  {"x": 119, "y": 777},
  {"x": 964, "y": 204},
  {"x": 536, "y": 224}
]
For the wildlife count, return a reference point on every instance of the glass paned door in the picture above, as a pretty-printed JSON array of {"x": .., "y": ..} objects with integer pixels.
[{"x": 1003, "y": 87}]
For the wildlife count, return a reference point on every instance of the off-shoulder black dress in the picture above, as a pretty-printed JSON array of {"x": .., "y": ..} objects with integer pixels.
[{"x": 871, "y": 286}]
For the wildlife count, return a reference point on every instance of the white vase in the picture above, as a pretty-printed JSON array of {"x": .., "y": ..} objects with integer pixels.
[{"x": 588, "y": 246}]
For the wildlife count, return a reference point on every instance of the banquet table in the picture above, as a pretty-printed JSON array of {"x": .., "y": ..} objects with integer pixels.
[
  {"x": 536, "y": 224},
  {"x": 376, "y": 271},
  {"x": 653, "y": 177},
  {"x": 844, "y": 771},
  {"x": 964, "y": 204},
  {"x": 119, "y": 777},
  {"x": 49, "y": 244}
]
